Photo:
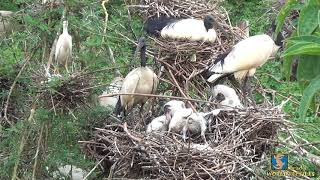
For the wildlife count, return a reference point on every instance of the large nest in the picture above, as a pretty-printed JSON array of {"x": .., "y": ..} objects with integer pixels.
[
  {"x": 65, "y": 92},
  {"x": 237, "y": 141},
  {"x": 185, "y": 60}
]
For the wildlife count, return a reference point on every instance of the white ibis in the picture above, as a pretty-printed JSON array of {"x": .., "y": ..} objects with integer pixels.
[
  {"x": 63, "y": 51},
  {"x": 190, "y": 29},
  {"x": 244, "y": 58},
  {"x": 140, "y": 80}
]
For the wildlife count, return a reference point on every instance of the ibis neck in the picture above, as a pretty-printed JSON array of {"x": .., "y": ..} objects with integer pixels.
[
  {"x": 143, "y": 56},
  {"x": 65, "y": 29},
  {"x": 279, "y": 39}
]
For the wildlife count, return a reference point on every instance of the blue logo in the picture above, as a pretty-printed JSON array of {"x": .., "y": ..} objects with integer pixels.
[{"x": 279, "y": 161}]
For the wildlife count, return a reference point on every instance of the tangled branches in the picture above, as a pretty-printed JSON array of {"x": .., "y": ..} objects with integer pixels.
[{"x": 237, "y": 140}]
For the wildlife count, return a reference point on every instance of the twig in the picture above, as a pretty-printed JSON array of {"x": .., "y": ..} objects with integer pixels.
[
  {"x": 105, "y": 18},
  {"x": 14, "y": 84},
  {"x": 37, "y": 153},
  {"x": 177, "y": 84},
  {"x": 159, "y": 96},
  {"x": 22, "y": 144},
  {"x": 125, "y": 128},
  {"x": 91, "y": 171}
]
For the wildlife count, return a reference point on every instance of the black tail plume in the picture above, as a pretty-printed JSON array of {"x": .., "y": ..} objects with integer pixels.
[
  {"x": 118, "y": 108},
  {"x": 207, "y": 73},
  {"x": 154, "y": 25}
]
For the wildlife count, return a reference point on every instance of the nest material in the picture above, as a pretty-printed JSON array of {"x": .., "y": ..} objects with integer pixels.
[
  {"x": 186, "y": 60},
  {"x": 237, "y": 140},
  {"x": 68, "y": 92}
]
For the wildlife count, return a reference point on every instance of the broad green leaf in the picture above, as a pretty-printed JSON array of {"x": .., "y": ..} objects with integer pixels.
[
  {"x": 306, "y": 38},
  {"x": 308, "y": 95},
  {"x": 308, "y": 68},
  {"x": 285, "y": 10},
  {"x": 307, "y": 19},
  {"x": 287, "y": 67},
  {"x": 319, "y": 18},
  {"x": 300, "y": 48}
]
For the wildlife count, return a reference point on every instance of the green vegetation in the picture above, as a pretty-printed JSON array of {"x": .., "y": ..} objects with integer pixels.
[
  {"x": 55, "y": 135},
  {"x": 51, "y": 132},
  {"x": 275, "y": 74}
]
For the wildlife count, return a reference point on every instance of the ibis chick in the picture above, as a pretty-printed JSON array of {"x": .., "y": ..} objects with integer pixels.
[
  {"x": 184, "y": 120},
  {"x": 230, "y": 98},
  {"x": 159, "y": 124},
  {"x": 171, "y": 107},
  {"x": 140, "y": 80},
  {"x": 64, "y": 47},
  {"x": 190, "y": 29}
]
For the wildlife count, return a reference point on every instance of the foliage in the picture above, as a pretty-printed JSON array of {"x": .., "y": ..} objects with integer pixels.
[
  {"x": 38, "y": 26},
  {"x": 303, "y": 45}
]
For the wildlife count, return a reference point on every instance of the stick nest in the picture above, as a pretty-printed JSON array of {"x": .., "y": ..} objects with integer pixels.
[
  {"x": 67, "y": 92},
  {"x": 237, "y": 140},
  {"x": 185, "y": 59}
]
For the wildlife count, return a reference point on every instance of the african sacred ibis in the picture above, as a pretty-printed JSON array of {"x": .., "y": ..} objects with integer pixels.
[
  {"x": 140, "y": 80},
  {"x": 244, "y": 58},
  {"x": 190, "y": 29}
]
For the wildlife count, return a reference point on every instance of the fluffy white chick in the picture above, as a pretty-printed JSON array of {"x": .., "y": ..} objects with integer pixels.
[
  {"x": 172, "y": 106},
  {"x": 231, "y": 99},
  {"x": 159, "y": 124},
  {"x": 184, "y": 120}
]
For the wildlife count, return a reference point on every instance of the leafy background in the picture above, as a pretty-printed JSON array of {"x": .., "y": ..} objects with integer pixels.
[{"x": 56, "y": 136}]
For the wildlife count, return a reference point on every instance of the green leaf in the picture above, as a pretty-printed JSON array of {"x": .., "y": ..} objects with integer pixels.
[
  {"x": 306, "y": 38},
  {"x": 308, "y": 95},
  {"x": 300, "y": 48},
  {"x": 287, "y": 67},
  {"x": 308, "y": 68},
  {"x": 283, "y": 14},
  {"x": 319, "y": 18},
  {"x": 307, "y": 21}
]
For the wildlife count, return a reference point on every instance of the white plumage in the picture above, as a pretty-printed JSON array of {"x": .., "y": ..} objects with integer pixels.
[
  {"x": 140, "y": 80},
  {"x": 5, "y": 24},
  {"x": 113, "y": 88},
  {"x": 172, "y": 106},
  {"x": 159, "y": 124},
  {"x": 185, "y": 120},
  {"x": 64, "y": 47},
  {"x": 231, "y": 98},
  {"x": 245, "y": 57},
  {"x": 191, "y": 29}
]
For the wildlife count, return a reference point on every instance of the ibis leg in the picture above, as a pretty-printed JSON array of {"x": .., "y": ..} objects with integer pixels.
[
  {"x": 66, "y": 66},
  {"x": 247, "y": 89},
  {"x": 141, "y": 109}
]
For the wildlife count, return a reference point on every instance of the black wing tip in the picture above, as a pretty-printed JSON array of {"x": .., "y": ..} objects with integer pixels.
[
  {"x": 118, "y": 109},
  {"x": 154, "y": 25}
]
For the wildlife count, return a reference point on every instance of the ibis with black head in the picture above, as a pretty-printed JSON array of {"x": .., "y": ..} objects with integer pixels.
[
  {"x": 243, "y": 60},
  {"x": 190, "y": 29},
  {"x": 140, "y": 80}
]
